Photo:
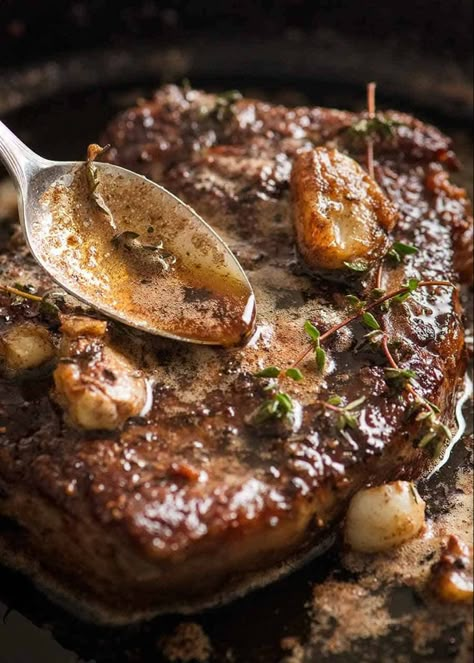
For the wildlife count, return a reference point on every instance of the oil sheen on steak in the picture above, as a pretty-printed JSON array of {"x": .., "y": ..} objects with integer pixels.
[{"x": 190, "y": 503}]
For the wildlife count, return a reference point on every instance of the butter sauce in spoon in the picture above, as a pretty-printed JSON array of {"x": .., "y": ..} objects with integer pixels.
[{"x": 129, "y": 248}]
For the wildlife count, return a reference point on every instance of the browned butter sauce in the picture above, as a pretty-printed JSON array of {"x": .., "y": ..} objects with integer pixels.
[{"x": 150, "y": 261}]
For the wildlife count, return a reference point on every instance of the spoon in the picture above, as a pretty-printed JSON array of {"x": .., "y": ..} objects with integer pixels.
[{"x": 129, "y": 248}]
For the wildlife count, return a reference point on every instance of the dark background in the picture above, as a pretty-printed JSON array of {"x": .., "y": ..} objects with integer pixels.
[{"x": 40, "y": 28}]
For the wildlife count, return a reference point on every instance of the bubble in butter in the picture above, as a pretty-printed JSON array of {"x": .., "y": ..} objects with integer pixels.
[{"x": 151, "y": 263}]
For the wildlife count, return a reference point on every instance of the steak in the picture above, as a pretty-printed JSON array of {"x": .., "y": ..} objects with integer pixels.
[{"x": 198, "y": 500}]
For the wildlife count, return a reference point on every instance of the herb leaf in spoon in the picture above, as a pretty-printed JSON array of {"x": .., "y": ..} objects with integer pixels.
[{"x": 93, "y": 152}]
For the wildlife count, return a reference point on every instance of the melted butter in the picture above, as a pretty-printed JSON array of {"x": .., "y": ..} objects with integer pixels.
[{"x": 197, "y": 292}]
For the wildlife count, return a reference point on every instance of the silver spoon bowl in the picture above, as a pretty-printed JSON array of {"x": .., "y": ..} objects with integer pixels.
[{"x": 129, "y": 248}]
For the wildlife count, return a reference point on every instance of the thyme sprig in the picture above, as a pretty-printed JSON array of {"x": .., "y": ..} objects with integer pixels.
[
  {"x": 48, "y": 301},
  {"x": 315, "y": 337},
  {"x": 399, "y": 250},
  {"x": 358, "y": 265},
  {"x": 369, "y": 138},
  {"x": 376, "y": 126},
  {"x": 368, "y": 130},
  {"x": 435, "y": 432},
  {"x": 278, "y": 405},
  {"x": 362, "y": 310},
  {"x": 19, "y": 292},
  {"x": 400, "y": 378},
  {"x": 224, "y": 106},
  {"x": 348, "y": 415},
  {"x": 275, "y": 372},
  {"x": 397, "y": 377}
]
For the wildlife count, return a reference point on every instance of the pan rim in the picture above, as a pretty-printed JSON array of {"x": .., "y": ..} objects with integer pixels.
[{"x": 437, "y": 83}]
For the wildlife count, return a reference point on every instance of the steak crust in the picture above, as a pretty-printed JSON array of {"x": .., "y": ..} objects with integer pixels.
[{"x": 190, "y": 504}]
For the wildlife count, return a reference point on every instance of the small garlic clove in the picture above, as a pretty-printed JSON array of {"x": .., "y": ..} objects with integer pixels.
[
  {"x": 384, "y": 517},
  {"x": 24, "y": 347}
]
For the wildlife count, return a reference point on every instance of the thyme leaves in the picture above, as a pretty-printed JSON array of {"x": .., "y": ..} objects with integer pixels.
[
  {"x": 50, "y": 303},
  {"x": 399, "y": 250},
  {"x": 315, "y": 338},
  {"x": 150, "y": 253},
  {"x": 410, "y": 288},
  {"x": 225, "y": 104},
  {"x": 21, "y": 291},
  {"x": 407, "y": 288},
  {"x": 435, "y": 432},
  {"x": 312, "y": 331},
  {"x": 321, "y": 358},
  {"x": 358, "y": 265},
  {"x": 294, "y": 374},
  {"x": 379, "y": 127},
  {"x": 347, "y": 415},
  {"x": 370, "y": 321},
  {"x": 399, "y": 377},
  {"x": 269, "y": 372},
  {"x": 223, "y": 107},
  {"x": 278, "y": 405},
  {"x": 275, "y": 372},
  {"x": 355, "y": 302}
]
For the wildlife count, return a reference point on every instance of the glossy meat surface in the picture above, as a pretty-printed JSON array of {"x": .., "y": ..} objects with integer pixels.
[{"x": 188, "y": 503}]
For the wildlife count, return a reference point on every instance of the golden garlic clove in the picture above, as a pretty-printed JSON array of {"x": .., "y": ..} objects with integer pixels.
[{"x": 341, "y": 216}]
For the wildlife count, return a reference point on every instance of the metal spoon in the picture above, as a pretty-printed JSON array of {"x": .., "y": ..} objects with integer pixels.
[{"x": 129, "y": 248}]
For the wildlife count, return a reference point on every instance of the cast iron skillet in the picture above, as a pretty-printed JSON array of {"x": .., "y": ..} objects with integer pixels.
[{"x": 58, "y": 108}]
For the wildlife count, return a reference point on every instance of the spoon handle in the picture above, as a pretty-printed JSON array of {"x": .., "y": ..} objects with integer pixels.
[{"x": 19, "y": 160}]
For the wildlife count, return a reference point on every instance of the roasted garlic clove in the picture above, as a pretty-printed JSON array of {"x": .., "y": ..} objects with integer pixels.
[
  {"x": 341, "y": 216},
  {"x": 384, "y": 517},
  {"x": 98, "y": 387},
  {"x": 451, "y": 577},
  {"x": 25, "y": 346},
  {"x": 75, "y": 326}
]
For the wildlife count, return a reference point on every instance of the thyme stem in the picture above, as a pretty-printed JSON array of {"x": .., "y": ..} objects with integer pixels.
[
  {"x": 20, "y": 293},
  {"x": 436, "y": 425},
  {"x": 371, "y": 98},
  {"x": 387, "y": 352},
  {"x": 409, "y": 387},
  {"x": 358, "y": 314},
  {"x": 378, "y": 278},
  {"x": 328, "y": 406},
  {"x": 370, "y": 143}
]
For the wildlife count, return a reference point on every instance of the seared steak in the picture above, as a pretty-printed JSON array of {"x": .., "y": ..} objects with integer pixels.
[{"x": 198, "y": 499}]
